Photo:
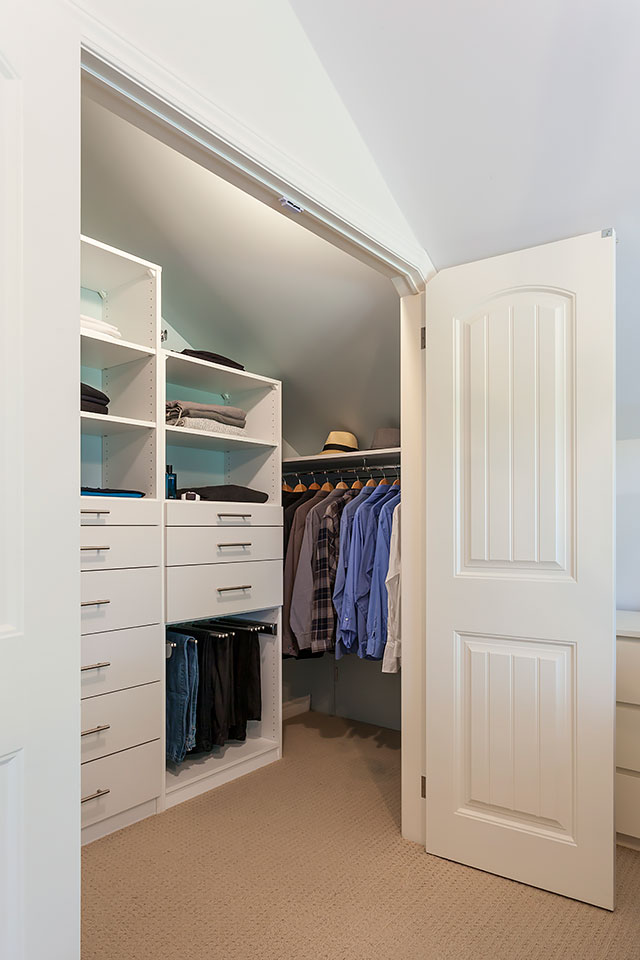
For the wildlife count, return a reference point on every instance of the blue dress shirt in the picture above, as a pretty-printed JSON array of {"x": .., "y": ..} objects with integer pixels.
[
  {"x": 348, "y": 627},
  {"x": 378, "y": 600},
  {"x": 365, "y": 573},
  {"x": 346, "y": 527}
]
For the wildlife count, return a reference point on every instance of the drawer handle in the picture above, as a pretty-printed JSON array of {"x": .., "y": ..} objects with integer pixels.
[
  {"x": 241, "y": 516},
  {"x": 98, "y": 729},
  {"x": 95, "y": 548},
  {"x": 94, "y": 796},
  {"x": 96, "y": 666},
  {"x": 244, "y": 586},
  {"x": 93, "y": 603},
  {"x": 97, "y": 512},
  {"x": 235, "y": 545}
]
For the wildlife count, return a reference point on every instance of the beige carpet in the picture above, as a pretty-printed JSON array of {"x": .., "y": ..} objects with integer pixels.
[{"x": 303, "y": 860}]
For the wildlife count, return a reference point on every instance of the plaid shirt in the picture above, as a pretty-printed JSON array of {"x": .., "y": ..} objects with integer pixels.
[{"x": 325, "y": 565}]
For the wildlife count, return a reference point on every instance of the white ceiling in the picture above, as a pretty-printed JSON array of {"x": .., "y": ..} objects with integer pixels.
[
  {"x": 242, "y": 280},
  {"x": 500, "y": 125}
]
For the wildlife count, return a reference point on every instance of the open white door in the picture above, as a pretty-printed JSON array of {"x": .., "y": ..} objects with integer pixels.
[
  {"x": 520, "y": 566},
  {"x": 39, "y": 480}
]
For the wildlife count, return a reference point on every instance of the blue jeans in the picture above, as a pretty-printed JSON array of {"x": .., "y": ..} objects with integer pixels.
[{"x": 182, "y": 692}]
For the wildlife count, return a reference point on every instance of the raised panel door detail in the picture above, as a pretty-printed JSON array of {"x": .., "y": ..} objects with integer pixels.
[
  {"x": 514, "y": 395},
  {"x": 515, "y": 740}
]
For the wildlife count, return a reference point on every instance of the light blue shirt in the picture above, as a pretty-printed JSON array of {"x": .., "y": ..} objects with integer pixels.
[
  {"x": 378, "y": 600},
  {"x": 365, "y": 572},
  {"x": 346, "y": 527},
  {"x": 347, "y": 624}
]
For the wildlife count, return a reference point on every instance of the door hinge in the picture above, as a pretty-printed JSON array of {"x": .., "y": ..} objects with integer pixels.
[
  {"x": 423, "y": 787},
  {"x": 423, "y": 338}
]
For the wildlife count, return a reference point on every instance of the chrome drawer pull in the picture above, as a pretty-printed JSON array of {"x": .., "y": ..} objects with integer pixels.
[
  {"x": 244, "y": 586},
  {"x": 241, "y": 516},
  {"x": 96, "y": 666},
  {"x": 93, "y": 603},
  {"x": 94, "y": 796},
  {"x": 98, "y": 512},
  {"x": 95, "y": 548},
  {"x": 98, "y": 729},
  {"x": 235, "y": 545}
]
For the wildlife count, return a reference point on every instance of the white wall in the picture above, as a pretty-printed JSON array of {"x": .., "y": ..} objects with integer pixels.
[{"x": 250, "y": 65}]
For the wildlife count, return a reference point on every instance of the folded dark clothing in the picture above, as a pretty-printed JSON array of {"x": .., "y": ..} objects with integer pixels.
[
  {"x": 213, "y": 358},
  {"x": 109, "y": 492},
  {"x": 89, "y": 406},
  {"x": 229, "y": 492},
  {"x": 91, "y": 393}
]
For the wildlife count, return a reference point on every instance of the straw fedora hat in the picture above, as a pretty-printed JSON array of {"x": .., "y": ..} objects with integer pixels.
[{"x": 340, "y": 441}]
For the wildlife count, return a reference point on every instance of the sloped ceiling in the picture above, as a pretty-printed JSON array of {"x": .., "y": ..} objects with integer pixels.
[
  {"x": 500, "y": 125},
  {"x": 242, "y": 280}
]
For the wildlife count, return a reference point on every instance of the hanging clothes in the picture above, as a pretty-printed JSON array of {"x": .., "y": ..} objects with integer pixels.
[
  {"x": 365, "y": 573},
  {"x": 377, "y": 614},
  {"x": 346, "y": 529},
  {"x": 182, "y": 693},
  {"x": 325, "y": 568},
  {"x": 289, "y": 642},
  {"x": 392, "y": 651}
]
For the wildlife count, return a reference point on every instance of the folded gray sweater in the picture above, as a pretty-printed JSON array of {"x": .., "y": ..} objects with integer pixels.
[{"x": 234, "y": 416}]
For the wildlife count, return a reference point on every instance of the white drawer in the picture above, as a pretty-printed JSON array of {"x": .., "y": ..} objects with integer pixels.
[
  {"x": 211, "y": 590},
  {"x": 120, "y": 659},
  {"x": 628, "y": 804},
  {"x": 116, "y": 547},
  {"x": 131, "y": 778},
  {"x": 188, "y": 545},
  {"x": 116, "y": 721},
  {"x": 207, "y": 513},
  {"x": 628, "y": 670},
  {"x": 130, "y": 598},
  {"x": 628, "y": 736},
  {"x": 104, "y": 511}
]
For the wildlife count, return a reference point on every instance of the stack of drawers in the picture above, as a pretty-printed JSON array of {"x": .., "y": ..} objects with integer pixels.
[
  {"x": 122, "y": 656},
  {"x": 222, "y": 559},
  {"x": 628, "y": 724}
]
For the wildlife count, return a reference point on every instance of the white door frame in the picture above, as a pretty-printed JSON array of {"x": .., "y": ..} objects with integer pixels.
[{"x": 122, "y": 88}]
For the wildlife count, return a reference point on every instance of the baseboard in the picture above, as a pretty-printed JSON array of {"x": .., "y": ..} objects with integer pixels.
[
  {"x": 623, "y": 840},
  {"x": 293, "y": 707}
]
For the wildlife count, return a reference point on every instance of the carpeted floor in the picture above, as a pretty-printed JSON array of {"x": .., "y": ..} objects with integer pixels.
[{"x": 303, "y": 860}]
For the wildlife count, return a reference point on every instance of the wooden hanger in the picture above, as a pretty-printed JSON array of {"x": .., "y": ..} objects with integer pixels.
[
  {"x": 327, "y": 485},
  {"x": 341, "y": 485},
  {"x": 299, "y": 487},
  {"x": 357, "y": 484},
  {"x": 315, "y": 485},
  {"x": 383, "y": 483},
  {"x": 396, "y": 482},
  {"x": 286, "y": 488}
]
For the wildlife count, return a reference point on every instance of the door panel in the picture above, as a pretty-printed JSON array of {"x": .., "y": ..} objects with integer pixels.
[{"x": 520, "y": 568}]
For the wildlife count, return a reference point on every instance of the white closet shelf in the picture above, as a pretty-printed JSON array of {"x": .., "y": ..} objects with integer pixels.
[
  {"x": 190, "y": 372},
  {"x": 100, "y": 351},
  {"x": 97, "y": 425},
  {"x": 204, "y": 440},
  {"x": 205, "y": 767},
  {"x": 371, "y": 458},
  {"x": 105, "y": 268}
]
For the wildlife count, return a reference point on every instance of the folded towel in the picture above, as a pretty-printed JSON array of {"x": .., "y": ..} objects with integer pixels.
[
  {"x": 109, "y": 492},
  {"x": 92, "y": 393},
  {"x": 234, "y": 416},
  {"x": 213, "y": 358},
  {"x": 89, "y": 406},
  {"x": 229, "y": 492},
  {"x": 211, "y": 426},
  {"x": 100, "y": 326}
]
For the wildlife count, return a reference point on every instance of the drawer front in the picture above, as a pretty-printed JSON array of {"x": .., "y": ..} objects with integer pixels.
[
  {"x": 130, "y": 598},
  {"x": 189, "y": 513},
  {"x": 118, "y": 511},
  {"x": 628, "y": 804},
  {"x": 118, "y": 547},
  {"x": 628, "y": 670},
  {"x": 123, "y": 658},
  {"x": 628, "y": 736},
  {"x": 116, "y": 721},
  {"x": 189, "y": 545},
  {"x": 211, "y": 590},
  {"x": 131, "y": 777}
]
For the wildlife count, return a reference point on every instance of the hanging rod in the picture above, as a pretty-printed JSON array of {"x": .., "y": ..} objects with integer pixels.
[{"x": 336, "y": 471}]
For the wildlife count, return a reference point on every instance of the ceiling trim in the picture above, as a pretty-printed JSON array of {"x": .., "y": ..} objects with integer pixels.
[{"x": 214, "y": 146}]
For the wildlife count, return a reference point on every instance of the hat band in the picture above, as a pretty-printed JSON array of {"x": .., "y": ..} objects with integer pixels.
[{"x": 339, "y": 446}]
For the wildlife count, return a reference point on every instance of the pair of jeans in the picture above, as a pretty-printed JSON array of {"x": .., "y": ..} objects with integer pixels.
[{"x": 182, "y": 692}]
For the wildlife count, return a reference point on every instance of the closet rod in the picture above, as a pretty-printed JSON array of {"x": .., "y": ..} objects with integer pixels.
[{"x": 336, "y": 471}]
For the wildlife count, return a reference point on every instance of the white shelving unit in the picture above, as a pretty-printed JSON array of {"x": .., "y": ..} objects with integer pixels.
[{"x": 128, "y": 448}]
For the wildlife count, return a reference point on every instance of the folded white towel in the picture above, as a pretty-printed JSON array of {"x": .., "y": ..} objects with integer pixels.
[
  {"x": 210, "y": 426},
  {"x": 101, "y": 326}
]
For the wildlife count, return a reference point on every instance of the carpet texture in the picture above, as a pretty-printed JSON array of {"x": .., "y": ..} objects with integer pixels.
[{"x": 303, "y": 860}]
